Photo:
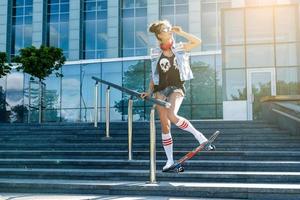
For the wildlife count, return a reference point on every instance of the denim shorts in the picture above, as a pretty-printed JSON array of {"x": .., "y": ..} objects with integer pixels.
[{"x": 166, "y": 93}]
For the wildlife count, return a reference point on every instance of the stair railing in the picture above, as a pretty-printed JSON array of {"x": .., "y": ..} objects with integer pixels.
[{"x": 132, "y": 94}]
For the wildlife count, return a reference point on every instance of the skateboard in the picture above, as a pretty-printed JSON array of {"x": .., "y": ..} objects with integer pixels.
[{"x": 178, "y": 166}]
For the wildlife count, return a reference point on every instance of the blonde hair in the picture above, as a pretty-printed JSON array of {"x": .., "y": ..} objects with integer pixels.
[{"x": 156, "y": 27}]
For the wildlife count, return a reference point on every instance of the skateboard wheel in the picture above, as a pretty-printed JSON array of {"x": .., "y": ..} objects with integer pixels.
[
  {"x": 180, "y": 169},
  {"x": 213, "y": 147}
]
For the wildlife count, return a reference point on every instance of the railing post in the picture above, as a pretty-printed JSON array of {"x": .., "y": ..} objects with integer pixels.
[
  {"x": 152, "y": 146},
  {"x": 96, "y": 104},
  {"x": 107, "y": 113},
  {"x": 29, "y": 102},
  {"x": 40, "y": 102},
  {"x": 130, "y": 103}
]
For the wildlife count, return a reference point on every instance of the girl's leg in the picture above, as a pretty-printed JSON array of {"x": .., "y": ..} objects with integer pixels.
[
  {"x": 176, "y": 99},
  {"x": 167, "y": 140}
]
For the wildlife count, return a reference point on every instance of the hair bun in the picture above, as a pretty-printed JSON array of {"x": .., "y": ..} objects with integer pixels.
[{"x": 153, "y": 27}]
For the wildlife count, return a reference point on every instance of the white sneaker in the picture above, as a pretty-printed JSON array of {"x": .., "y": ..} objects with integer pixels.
[{"x": 168, "y": 164}]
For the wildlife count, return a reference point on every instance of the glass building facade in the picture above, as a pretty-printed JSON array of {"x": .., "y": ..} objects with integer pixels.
[{"x": 244, "y": 44}]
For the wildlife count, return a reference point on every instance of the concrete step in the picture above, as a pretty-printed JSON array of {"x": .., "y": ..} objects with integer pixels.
[
  {"x": 143, "y": 175},
  {"x": 143, "y": 131},
  {"x": 175, "y": 189},
  {"x": 221, "y": 145},
  {"x": 160, "y": 155},
  {"x": 202, "y": 165},
  {"x": 144, "y": 138}
]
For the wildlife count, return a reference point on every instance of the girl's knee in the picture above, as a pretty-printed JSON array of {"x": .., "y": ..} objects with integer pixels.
[
  {"x": 165, "y": 128},
  {"x": 172, "y": 117}
]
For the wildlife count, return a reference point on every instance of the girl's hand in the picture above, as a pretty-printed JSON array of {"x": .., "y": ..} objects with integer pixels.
[
  {"x": 144, "y": 95},
  {"x": 176, "y": 29}
]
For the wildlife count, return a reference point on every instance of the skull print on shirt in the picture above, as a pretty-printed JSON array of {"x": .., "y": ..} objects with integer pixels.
[{"x": 164, "y": 64}]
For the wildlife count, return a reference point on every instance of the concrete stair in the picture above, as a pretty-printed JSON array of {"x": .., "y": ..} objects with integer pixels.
[{"x": 254, "y": 160}]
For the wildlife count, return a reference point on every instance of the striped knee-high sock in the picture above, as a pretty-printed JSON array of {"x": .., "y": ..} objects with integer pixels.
[
  {"x": 168, "y": 145},
  {"x": 184, "y": 124}
]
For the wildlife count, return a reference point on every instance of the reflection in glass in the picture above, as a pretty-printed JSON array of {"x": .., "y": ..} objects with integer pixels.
[
  {"x": 21, "y": 29},
  {"x": 234, "y": 27},
  {"x": 259, "y": 25},
  {"x": 204, "y": 111},
  {"x": 203, "y": 84},
  {"x": 52, "y": 93},
  {"x": 260, "y": 87},
  {"x": 260, "y": 55},
  {"x": 51, "y": 116},
  {"x": 288, "y": 81},
  {"x": 14, "y": 96},
  {"x": 286, "y": 23},
  {"x": 70, "y": 87},
  {"x": 111, "y": 72},
  {"x": 234, "y": 57},
  {"x": 95, "y": 29},
  {"x": 4, "y": 114},
  {"x": 235, "y": 85},
  {"x": 70, "y": 115},
  {"x": 133, "y": 78},
  {"x": 134, "y": 28},
  {"x": 286, "y": 54},
  {"x": 58, "y": 26}
]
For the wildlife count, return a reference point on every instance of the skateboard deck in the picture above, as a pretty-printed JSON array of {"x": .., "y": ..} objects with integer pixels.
[{"x": 178, "y": 166}]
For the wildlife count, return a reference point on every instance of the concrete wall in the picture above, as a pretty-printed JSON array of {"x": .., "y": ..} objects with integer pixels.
[
  {"x": 3, "y": 24},
  {"x": 74, "y": 30},
  {"x": 38, "y": 18},
  {"x": 113, "y": 26}
]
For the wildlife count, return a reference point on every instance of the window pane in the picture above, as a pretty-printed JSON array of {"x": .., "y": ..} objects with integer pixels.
[
  {"x": 235, "y": 85},
  {"x": 27, "y": 35},
  {"x": 71, "y": 87},
  {"x": 260, "y": 56},
  {"x": 88, "y": 94},
  {"x": 70, "y": 115},
  {"x": 111, "y": 72},
  {"x": 209, "y": 26},
  {"x": 234, "y": 27},
  {"x": 286, "y": 23},
  {"x": 53, "y": 8},
  {"x": 51, "y": 116},
  {"x": 128, "y": 33},
  {"x": 64, "y": 36},
  {"x": 64, "y": 7},
  {"x": 203, "y": 84},
  {"x": 288, "y": 81},
  {"x": 90, "y": 35},
  {"x": 14, "y": 96},
  {"x": 234, "y": 56},
  {"x": 53, "y": 34},
  {"x": 28, "y": 10},
  {"x": 219, "y": 79},
  {"x": 52, "y": 93},
  {"x": 259, "y": 25},
  {"x": 203, "y": 111},
  {"x": 286, "y": 54}
]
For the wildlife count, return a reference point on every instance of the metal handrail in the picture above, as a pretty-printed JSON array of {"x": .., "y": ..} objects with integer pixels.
[
  {"x": 134, "y": 93},
  {"x": 130, "y": 102}
]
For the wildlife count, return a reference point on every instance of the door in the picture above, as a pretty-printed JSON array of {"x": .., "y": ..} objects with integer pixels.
[{"x": 260, "y": 83}]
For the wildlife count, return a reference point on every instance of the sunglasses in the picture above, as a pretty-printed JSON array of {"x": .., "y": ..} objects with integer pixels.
[{"x": 166, "y": 29}]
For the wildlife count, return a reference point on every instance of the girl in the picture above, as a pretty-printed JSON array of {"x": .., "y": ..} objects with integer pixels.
[{"x": 170, "y": 69}]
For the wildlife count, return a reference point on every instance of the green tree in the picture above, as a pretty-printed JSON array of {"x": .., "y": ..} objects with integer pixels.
[
  {"x": 4, "y": 67},
  {"x": 4, "y": 114},
  {"x": 40, "y": 63},
  {"x": 4, "y": 70}
]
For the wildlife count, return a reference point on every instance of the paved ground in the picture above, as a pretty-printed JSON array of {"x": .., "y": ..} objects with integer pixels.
[{"x": 9, "y": 196}]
